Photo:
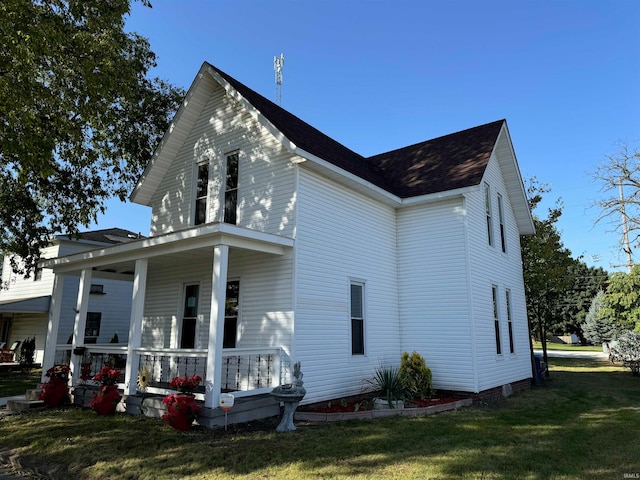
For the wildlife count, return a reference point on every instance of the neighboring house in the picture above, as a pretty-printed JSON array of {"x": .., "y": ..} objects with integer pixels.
[
  {"x": 25, "y": 302},
  {"x": 272, "y": 243}
]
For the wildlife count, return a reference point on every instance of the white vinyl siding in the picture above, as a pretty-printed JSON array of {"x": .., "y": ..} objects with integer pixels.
[
  {"x": 342, "y": 237},
  {"x": 265, "y": 199},
  {"x": 266, "y": 317},
  {"x": 435, "y": 310},
  {"x": 491, "y": 267}
]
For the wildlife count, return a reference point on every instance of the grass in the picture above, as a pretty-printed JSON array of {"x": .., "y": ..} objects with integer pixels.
[
  {"x": 583, "y": 424},
  {"x": 569, "y": 347},
  {"x": 18, "y": 382}
]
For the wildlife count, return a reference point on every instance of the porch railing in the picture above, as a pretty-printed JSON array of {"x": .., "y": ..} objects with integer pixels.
[
  {"x": 245, "y": 371},
  {"x": 94, "y": 357}
]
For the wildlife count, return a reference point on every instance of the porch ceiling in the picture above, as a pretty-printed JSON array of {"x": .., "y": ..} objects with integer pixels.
[{"x": 120, "y": 259}]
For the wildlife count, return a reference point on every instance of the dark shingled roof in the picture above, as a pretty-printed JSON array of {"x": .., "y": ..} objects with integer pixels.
[
  {"x": 445, "y": 163},
  {"x": 110, "y": 235}
]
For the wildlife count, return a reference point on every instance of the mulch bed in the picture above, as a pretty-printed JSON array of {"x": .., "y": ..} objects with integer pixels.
[{"x": 362, "y": 403}]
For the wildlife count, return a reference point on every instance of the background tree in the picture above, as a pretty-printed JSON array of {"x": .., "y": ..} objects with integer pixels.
[
  {"x": 597, "y": 327},
  {"x": 545, "y": 263},
  {"x": 619, "y": 176},
  {"x": 576, "y": 301},
  {"x": 622, "y": 299},
  {"x": 78, "y": 116}
]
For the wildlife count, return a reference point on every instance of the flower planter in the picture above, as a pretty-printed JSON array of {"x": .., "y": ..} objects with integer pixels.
[
  {"x": 106, "y": 400},
  {"x": 181, "y": 411},
  {"x": 55, "y": 392},
  {"x": 383, "y": 404}
]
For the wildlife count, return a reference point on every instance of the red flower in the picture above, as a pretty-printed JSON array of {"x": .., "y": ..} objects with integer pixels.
[
  {"x": 107, "y": 376},
  {"x": 186, "y": 384}
]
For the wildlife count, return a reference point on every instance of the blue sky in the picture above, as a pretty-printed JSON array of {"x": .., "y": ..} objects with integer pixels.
[{"x": 379, "y": 75}]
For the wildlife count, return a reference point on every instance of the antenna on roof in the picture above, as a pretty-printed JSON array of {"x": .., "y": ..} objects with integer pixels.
[{"x": 278, "y": 63}]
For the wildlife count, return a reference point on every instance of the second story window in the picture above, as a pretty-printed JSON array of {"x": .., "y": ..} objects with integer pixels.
[
  {"x": 231, "y": 190},
  {"x": 503, "y": 233},
  {"x": 202, "y": 194},
  {"x": 487, "y": 207}
]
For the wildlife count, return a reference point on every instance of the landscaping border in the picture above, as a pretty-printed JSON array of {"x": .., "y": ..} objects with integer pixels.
[{"x": 372, "y": 414}]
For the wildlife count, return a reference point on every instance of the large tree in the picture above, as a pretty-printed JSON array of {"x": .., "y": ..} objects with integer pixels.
[
  {"x": 79, "y": 117},
  {"x": 598, "y": 327},
  {"x": 619, "y": 178},
  {"x": 622, "y": 299},
  {"x": 546, "y": 264},
  {"x": 575, "y": 303}
]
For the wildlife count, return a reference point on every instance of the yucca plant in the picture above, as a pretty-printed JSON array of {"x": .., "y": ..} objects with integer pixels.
[{"x": 386, "y": 380}]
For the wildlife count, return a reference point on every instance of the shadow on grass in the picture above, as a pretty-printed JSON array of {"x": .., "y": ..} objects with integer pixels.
[{"x": 571, "y": 428}]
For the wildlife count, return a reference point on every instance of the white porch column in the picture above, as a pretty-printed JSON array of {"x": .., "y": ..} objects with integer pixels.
[
  {"x": 79, "y": 325},
  {"x": 51, "y": 341},
  {"x": 216, "y": 325},
  {"x": 135, "y": 325}
]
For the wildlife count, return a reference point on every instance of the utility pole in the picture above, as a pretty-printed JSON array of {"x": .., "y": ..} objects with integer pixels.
[
  {"x": 278, "y": 63},
  {"x": 625, "y": 228}
]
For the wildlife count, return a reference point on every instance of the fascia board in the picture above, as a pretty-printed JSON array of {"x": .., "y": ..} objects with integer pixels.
[
  {"x": 253, "y": 111},
  {"x": 139, "y": 194},
  {"x": 525, "y": 225},
  {"x": 377, "y": 191},
  {"x": 184, "y": 240},
  {"x": 437, "y": 196}
]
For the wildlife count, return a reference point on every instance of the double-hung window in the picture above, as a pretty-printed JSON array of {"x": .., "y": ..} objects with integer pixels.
[
  {"x": 496, "y": 319},
  {"x": 231, "y": 309},
  {"x": 189, "y": 316},
  {"x": 487, "y": 207},
  {"x": 357, "y": 318},
  {"x": 510, "y": 321},
  {"x": 202, "y": 194},
  {"x": 503, "y": 233},
  {"x": 231, "y": 190},
  {"x": 92, "y": 327}
]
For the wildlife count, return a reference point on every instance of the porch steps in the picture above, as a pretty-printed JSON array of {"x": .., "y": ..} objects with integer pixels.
[
  {"x": 244, "y": 410},
  {"x": 30, "y": 401}
]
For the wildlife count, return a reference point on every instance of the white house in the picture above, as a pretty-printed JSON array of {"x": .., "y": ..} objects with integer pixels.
[
  {"x": 272, "y": 243},
  {"x": 25, "y": 302}
]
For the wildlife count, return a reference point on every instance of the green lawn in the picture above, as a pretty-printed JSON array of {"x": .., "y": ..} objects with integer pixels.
[
  {"x": 17, "y": 383},
  {"x": 584, "y": 424},
  {"x": 568, "y": 347}
]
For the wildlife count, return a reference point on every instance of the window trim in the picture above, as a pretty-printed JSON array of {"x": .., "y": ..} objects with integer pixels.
[
  {"x": 496, "y": 319},
  {"x": 362, "y": 320}
]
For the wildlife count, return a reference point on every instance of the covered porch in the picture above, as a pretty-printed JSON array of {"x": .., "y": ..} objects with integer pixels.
[{"x": 163, "y": 270}]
